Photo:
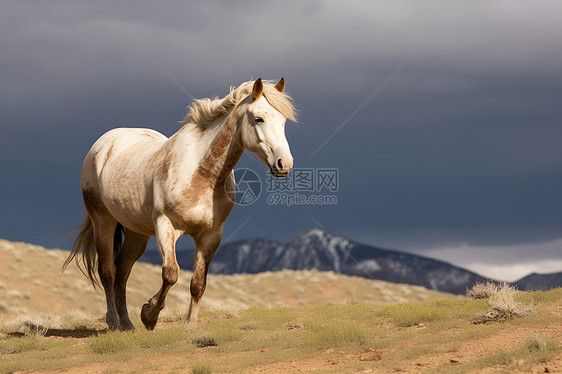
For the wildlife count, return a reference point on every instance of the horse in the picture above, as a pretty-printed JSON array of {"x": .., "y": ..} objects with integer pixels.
[{"x": 137, "y": 183}]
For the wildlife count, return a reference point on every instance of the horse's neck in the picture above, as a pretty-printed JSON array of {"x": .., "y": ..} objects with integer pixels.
[{"x": 219, "y": 145}]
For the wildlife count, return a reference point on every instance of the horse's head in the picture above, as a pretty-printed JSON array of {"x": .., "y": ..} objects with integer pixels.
[{"x": 263, "y": 126}]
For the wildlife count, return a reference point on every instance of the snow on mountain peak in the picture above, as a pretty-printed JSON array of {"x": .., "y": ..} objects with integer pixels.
[
  {"x": 336, "y": 247},
  {"x": 314, "y": 232}
]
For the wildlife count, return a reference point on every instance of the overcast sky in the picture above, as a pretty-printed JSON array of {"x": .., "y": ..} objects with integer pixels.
[{"x": 443, "y": 118}]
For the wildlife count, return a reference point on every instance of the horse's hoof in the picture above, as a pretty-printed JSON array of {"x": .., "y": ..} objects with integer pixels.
[
  {"x": 112, "y": 322},
  {"x": 126, "y": 325},
  {"x": 149, "y": 316}
]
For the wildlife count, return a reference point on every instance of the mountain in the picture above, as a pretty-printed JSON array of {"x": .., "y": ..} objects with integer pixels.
[
  {"x": 539, "y": 282},
  {"x": 320, "y": 250}
]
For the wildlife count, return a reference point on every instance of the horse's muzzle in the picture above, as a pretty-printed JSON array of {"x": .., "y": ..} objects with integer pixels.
[
  {"x": 278, "y": 173},
  {"x": 281, "y": 169}
]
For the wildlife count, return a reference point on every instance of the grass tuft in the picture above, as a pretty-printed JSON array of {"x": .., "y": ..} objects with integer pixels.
[
  {"x": 31, "y": 324},
  {"x": 541, "y": 348},
  {"x": 33, "y": 329},
  {"x": 21, "y": 345},
  {"x": 540, "y": 343},
  {"x": 111, "y": 342},
  {"x": 204, "y": 340},
  {"x": 160, "y": 339},
  {"x": 503, "y": 306},
  {"x": 336, "y": 334},
  {"x": 414, "y": 313},
  {"x": 201, "y": 369},
  {"x": 483, "y": 290}
]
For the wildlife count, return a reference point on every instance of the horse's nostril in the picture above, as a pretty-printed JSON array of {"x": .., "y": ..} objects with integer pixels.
[{"x": 279, "y": 164}]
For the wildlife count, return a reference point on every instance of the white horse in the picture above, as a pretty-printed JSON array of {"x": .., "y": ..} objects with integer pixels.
[{"x": 141, "y": 183}]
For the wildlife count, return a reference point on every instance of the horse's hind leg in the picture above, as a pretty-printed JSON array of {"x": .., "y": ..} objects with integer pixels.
[
  {"x": 166, "y": 236},
  {"x": 104, "y": 230},
  {"x": 133, "y": 247}
]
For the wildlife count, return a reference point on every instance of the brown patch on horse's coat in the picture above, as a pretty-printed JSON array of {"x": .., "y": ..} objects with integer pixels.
[
  {"x": 170, "y": 273},
  {"x": 200, "y": 181},
  {"x": 207, "y": 181},
  {"x": 206, "y": 173},
  {"x": 219, "y": 146},
  {"x": 198, "y": 284},
  {"x": 92, "y": 201}
]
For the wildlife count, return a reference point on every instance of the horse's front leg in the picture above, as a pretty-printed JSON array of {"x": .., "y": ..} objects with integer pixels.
[
  {"x": 206, "y": 245},
  {"x": 166, "y": 236}
]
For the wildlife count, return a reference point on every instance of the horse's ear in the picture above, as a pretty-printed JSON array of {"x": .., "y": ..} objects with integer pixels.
[
  {"x": 280, "y": 86},
  {"x": 258, "y": 89}
]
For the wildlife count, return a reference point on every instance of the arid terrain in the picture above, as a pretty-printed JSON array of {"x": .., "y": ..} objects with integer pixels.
[
  {"x": 286, "y": 322},
  {"x": 31, "y": 282}
]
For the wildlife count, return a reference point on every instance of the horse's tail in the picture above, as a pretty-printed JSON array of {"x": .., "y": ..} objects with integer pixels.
[{"x": 84, "y": 243}]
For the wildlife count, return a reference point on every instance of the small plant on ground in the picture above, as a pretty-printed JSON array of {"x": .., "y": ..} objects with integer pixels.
[
  {"x": 540, "y": 348},
  {"x": 483, "y": 290},
  {"x": 204, "y": 340},
  {"x": 503, "y": 306},
  {"x": 201, "y": 369},
  {"x": 539, "y": 343},
  {"x": 111, "y": 342},
  {"x": 31, "y": 324},
  {"x": 336, "y": 334}
]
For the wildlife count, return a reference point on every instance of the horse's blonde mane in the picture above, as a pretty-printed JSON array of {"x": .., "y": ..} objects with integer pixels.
[{"x": 204, "y": 111}]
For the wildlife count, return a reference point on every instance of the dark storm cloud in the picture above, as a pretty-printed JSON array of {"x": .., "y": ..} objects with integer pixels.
[
  {"x": 63, "y": 48},
  {"x": 461, "y": 146}
]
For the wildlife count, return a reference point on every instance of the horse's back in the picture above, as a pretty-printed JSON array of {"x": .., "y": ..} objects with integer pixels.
[
  {"x": 123, "y": 144},
  {"x": 119, "y": 168}
]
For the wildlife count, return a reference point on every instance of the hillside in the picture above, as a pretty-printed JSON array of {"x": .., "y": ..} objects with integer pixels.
[
  {"x": 282, "y": 322},
  {"x": 319, "y": 250},
  {"x": 31, "y": 282},
  {"x": 322, "y": 251},
  {"x": 539, "y": 281}
]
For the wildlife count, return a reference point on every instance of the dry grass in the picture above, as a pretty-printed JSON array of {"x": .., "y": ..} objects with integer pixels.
[
  {"x": 504, "y": 306},
  {"x": 483, "y": 290},
  {"x": 201, "y": 369},
  {"x": 355, "y": 333},
  {"x": 31, "y": 282},
  {"x": 539, "y": 343},
  {"x": 334, "y": 338},
  {"x": 204, "y": 340},
  {"x": 412, "y": 314},
  {"x": 336, "y": 335},
  {"x": 33, "y": 324}
]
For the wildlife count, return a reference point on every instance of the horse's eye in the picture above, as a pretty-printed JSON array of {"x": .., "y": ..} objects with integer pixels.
[{"x": 258, "y": 120}]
